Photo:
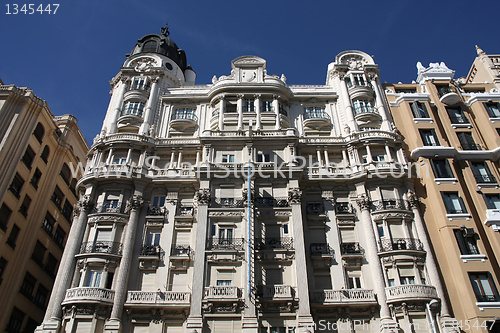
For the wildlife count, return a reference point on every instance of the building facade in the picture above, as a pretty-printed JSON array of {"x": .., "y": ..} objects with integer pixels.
[
  {"x": 37, "y": 194},
  {"x": 451, "y": 130},
  {"x": 246, "y": 205}
]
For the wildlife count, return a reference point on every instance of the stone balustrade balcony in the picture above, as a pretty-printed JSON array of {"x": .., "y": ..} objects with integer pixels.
[
  {"x": 161, "y": 298},
  {"x": 101, "y": 247},
  {"x": 400, "y": 244},
  {"x": 410, "y": 292},
  {"x": 277, "y": 292},
  {"x": 343, "y": 296},
  {"x": 89, "y": 295},
  {"x": 221, "y": 293}
]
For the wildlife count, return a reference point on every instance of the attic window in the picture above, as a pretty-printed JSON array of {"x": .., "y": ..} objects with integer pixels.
[{"x": 149, "y": 46}]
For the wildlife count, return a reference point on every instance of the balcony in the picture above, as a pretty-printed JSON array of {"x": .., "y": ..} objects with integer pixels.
[
  {"x": 101, "y": 247},
  {"x": 183, "y": 119},
  {"x": 272, "y": 202},
  {"x": 158, "y": 298},
  {"x": 315, "y": 118},
  {"x": 150, "y": 251},
  {"x": 228, "y": 203},
  {"x": 351, "y": 249},
  {"x": 416, "y": 292},
  {"x": 181, "y": 252},
  {"x": 274, "y": 243},
  {"x": 360, "y": 91},
  {"x": 366, "y": 113},
  {"x": 400, "y": 244},
  {"x": 277, "y": 292},
  {"x": 224, "y": 244},
  {"x": 448, "y": 95},
  {"x": 106, "y": 208},
  {"x": 222, "y": 293},
  {"x": 343, "y": 297},
  {"x": 471, "y": 146},
  {"x": 156, "y": 211},
  {"x": 493, "y": 219},
  {"x": 321, "y": 250},
  {"x": 390, "y": 204},
  {"x": 89, "y": 295}
]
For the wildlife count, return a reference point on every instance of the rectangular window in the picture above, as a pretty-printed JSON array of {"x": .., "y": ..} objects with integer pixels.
[
  {"x": 38, "y": 253},
  {"x": 406, "y": 90},
  {"x": 11, "y": 241},
  {"x": 15, "y": 321},
  {"x": 419, "y": 110},
  {"x": 482, "y": 173},
  {"x": 28, "y": 157},
  {"x": 429, "y": 137},
  {"x": 153, "y": 238},
  {"x": 3, "y": 264},
  {"x": 23, "y": 209},
  {"x": 406, "y": 275},
  {"x": 93, "y": 279},
  {"x": 159, "y": 201},
  {"x": 51, "y": 266},
  {"x": 467, "y": 142},
  {"x": 261, "y": 157},
  {"x": 48, "y": 223},
  {"x": 466, "y": 239},
  {"x": 484, "y": 287},
  {"x": 453, "y": 203},
  {"x": 139, "y": 83},
  {"x": 28, "y": 285},
  {"x": 267, "y": 106},
  {"x": 5, "y": 213},
  {"x": 36, "y": 178},
  {"x": 441, "y": 169},
  {"x": 227, "y": 158},
  {"x": 457, "y": 116},
  {"x": 67, "y": 210},
  {"x": 492, "y": 201},
  {"x": 119, "y": 160},
  {"x": 354, "y": 282},
  {"x": 59, "y": 236},
  {"x": 493, "y": 109},
  {"x": 248, "y": 105},
  {"x": 133, "y": 108},
  {"x": 16, "y": 185},
  {"x": 363, "y": 106},
  {"x": 57, "y": 197},
  {"x": 41, "y": 296}
]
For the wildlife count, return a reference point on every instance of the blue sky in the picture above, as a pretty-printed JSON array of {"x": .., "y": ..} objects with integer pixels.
[{"x": 69, "y": 58}]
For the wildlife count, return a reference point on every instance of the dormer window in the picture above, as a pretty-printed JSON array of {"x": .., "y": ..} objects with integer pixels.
[{"x": 149, "y": 46}]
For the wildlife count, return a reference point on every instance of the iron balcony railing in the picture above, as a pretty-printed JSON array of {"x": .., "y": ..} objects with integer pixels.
[
  {"x": 184, "y": 115},
  {"x": 107, "y": 247},
  {"x": 272, "y": 202},
  {"x": 106, "y": 208},
  {"x": 487, "y": 298},
  {"x": 398, "y": 204},
  {"x": 471, "y": 146},
  {"x": 397, "y": 244},
  {"x": 343, "y": 208},
  {"x": 279, "y": 243},
  {"x": 181, "y": 250},
  {"x": 229, "y": 202},
  {"x": 445, "y": 90},
  {"x": 364, "y": 109},
  {"x": 225, "y": 244},
  {"x": 311, "y": 114},
  {"x": 321, "y": 249},
  {"x": 485, "y": 178},
  {"x": 350, "y": 248},
  {"x": 151, "y": 251},
  {"x": 156, "y": 211}
]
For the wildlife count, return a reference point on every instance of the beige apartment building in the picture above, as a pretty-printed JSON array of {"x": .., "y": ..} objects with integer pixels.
[
  {"x": 451, "y": 130},
  {"x": 37, "y": 194}
]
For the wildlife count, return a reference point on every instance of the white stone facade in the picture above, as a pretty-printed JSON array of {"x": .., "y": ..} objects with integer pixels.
[{"x": 173, "y": 236}]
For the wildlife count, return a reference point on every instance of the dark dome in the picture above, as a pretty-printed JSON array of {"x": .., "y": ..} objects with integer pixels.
[{"x": 161, "y": 44}]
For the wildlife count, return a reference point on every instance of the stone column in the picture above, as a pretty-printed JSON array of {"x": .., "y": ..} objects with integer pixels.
[
  {"x": 379, "y": 103},
  {"x": 389, "y": 154},
  {"x": 52, "y": 319},
  {"x": 304, "y": 318},
  {"x": 118, "y": 107},
  {"x": 257, "y": 110},
  {"x": 148, "y": 114},
  {"x": 239, "y": 108},
  {"x": 430, "y": 261},
  {"x": 371, "y": 252},
  {"x": 134, "y": 205},
  {"x": 221, "y": 113},
  {"x": 276, "y": 109},
  {"x": 195, "y": 319},
  {"x": 369, "y": 157},
  {"x": 346, "y": 100}
]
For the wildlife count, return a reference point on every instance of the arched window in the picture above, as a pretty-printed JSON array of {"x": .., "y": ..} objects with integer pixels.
[
  {"x": 66, "y": 173},
  {"x": 39, "y": 132},
  {"x": 149, "y": 46},
  {"x": 45, "y": 154}
]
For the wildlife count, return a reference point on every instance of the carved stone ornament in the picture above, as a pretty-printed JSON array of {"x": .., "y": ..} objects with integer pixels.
[
  {"x": 135, "y": 203},
  {"x": 413, "y": 200},
  {"x": 86, "y": 203},
  {"x": 294, "y": 195},
  {"x": 76, "y": 209},
  {"x": 363, "y": 202},
  {"x": 203, "y": 196},
  {"x": 144, "y": 64}
]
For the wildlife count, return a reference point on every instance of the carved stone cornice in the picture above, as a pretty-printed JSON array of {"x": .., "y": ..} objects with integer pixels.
[
  {"x": 295, "y": 195},
  {"x": 203, "y": 196},
  {"x": 363, "y": 202}
]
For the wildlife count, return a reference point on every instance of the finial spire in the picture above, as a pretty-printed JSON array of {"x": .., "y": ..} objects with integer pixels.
[
  {"x": 164, "y": 31},
  {"x": 479, "y": 50}
]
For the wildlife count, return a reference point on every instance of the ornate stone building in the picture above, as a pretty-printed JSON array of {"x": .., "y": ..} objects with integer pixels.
[
  {"x": 451, "y": 129},
  {"x": 37, "y": 194},
  {"x": 246, "y": 205}
]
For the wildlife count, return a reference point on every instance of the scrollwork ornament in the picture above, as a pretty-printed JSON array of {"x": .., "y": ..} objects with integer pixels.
[
  {"x": 363, "y": 202},
  {"x": 413, "y": 200},
  {"x": 86, "y": 203},
  {"x": 203, "y": 196},
  {"x": 294, "y": 195},
  {"x": 135, "y": 203}
]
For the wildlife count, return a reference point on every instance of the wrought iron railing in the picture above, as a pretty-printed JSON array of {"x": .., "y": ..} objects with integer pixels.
[
  {"x": 398, "y": 204},
  {"x": 181, "y": 250},
  {"x": 225, "y": 244},
  {"x": 272, "y": 202},
  {"x": 151, "y": 251},
  {"x": 222, "y": 292},
  {"x": 350, "y": 248},
  {"x": 443, "y": 90},
  {"x": 485, "y": 178},
  {"x": 471, "y": 146},
  {"x": 364, "y": 109},
  {"x": 156, "y": 211},
  {"x": 487, "y": 298},
  {"x": 229, "y": 202},
  {"x": 107, "y": 247},
  {"x": 106, "y": 208},
  {"x": 397, "y": 244},
  {"x": 276, "y": 291},
  {"x": 184, "y": 115},
  {"x": 184, "y": 211},
  {"x": 321, "y": 249},
  {"x": 283, "y": 243},
  {"x": 313, "y": 114}
]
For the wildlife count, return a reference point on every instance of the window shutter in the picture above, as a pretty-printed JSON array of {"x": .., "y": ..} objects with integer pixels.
[
  {"x": 225, "y": 274},
  {"x": 148, "y": 282},
  {"x": 173, "y": 328},
  {"x": 387, "y": 193},
  {"x": 406, "y": 271},
  {"x": 179, "y": 281},
  {"x": 139, "y": 328},
  {"x": 83, "y": 326},
  {"x": 183, "y": 237},
  {"x": 397, "y": 230},
  {"x": 348, "y": 235},
  {"x": 103, "y": 235}
]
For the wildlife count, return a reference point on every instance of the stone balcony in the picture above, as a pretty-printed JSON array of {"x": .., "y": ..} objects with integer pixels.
[
  {"x": 361, "y": 91},
  {"x": 342, "y": 297},
  {"x": 101, "y": 247},
  {"x": 493, "y": 219},
  {"x": 222, "y": 293},
  {"x": 158, "y": 298},
  {"x": 277, "y": 292},
  {"x": 448, "y": 95},
  {"x": 89, "y": 295},
  {"x": 410, "y": 292},
  {"x": 400, "y": 244}
]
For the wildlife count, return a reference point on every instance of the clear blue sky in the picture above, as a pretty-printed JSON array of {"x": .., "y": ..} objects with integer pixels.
[{"x": 69, "y": 58}]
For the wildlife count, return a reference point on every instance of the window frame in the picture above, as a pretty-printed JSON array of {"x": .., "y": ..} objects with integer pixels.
[
  {"x": 425, "y": 138},
  {"x": 419, "y": 110},
  {"x": 449, "y": 203}
]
